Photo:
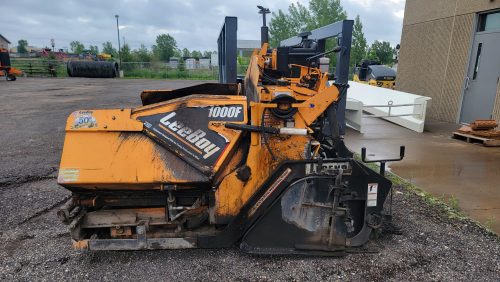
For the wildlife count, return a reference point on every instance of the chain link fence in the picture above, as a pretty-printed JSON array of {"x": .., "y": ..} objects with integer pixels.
[
  {"x": 43, "y": 67},
  {"x": 163, "y": 70},
  {"x": 179, "y": 70}
]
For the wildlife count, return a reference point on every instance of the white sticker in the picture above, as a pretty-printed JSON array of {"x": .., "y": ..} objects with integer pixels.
[
  {"x": 372, "y": 195},
  {"x": 84, "y": 119},
  {"x": 68, "y": 175}
]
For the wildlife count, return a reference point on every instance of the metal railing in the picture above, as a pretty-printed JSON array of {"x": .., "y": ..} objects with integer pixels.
[
  {"x": 391, "y": 105},
  {"x": 40, "y": 67}
]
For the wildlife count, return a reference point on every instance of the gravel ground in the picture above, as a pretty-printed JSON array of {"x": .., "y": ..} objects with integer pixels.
[{"x": 35, "y": 246}]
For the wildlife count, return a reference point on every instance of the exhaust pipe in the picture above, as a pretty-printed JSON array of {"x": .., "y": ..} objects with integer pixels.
[{"x": 264, "y": 30}]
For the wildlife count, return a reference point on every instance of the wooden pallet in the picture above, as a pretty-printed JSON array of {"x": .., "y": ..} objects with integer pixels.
[{"x": 487, "y": 142}]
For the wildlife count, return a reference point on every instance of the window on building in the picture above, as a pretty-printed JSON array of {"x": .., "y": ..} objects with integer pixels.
[
  {"x": 489, "y": 22},
  {"x": 478, "y": 58}
]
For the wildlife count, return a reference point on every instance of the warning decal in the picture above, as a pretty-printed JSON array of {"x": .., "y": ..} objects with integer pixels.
[
  {"x": 371, "y": 200},
  {"x": 68, "y": 175}
]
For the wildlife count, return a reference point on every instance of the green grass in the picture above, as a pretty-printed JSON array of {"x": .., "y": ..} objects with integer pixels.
[
  {"x": 162, "y": 71},
  {"x": 171, "y": 74},
  {"x": 490, "y": 222},
  {"x": 453, "y": 203}
]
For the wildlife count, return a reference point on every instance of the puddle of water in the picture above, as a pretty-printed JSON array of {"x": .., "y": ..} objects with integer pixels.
[{"x": 441, "y": 166}]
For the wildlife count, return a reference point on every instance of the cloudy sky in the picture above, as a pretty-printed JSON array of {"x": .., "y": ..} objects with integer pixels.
[{"x": 195, "y": 24}]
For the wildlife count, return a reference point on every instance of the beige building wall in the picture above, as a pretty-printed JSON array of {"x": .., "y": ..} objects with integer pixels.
[
  {"x": 418, "y": 11},
  {"x": 437, "y": 35}
]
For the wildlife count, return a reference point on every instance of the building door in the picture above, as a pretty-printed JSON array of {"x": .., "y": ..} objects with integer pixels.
[{"x": 484, "y": 71}]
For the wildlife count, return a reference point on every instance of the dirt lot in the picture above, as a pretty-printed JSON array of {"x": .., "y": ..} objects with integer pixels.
[{"x": 35, "y": 246}]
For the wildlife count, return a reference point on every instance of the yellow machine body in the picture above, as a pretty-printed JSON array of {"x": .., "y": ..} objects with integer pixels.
[
  {"x": 260, "y": 162},
  {"x": 389, "y": 84},
  {"x": 100, "y": 145},
  {"x": 375, "y": 74},
  {"x": 106, "y": 149}
]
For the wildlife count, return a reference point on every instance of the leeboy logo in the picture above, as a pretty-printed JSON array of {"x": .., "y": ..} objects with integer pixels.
[
  {"x": 185, "y": 131},
  {"x": 194, "y": 137}
]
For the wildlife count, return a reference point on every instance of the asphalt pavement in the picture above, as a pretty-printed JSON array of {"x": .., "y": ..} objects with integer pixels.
[{"x": 36, "y": 246}]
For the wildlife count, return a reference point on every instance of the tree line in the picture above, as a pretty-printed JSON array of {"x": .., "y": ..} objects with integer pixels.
[
  {"x": 299, "y": 18},
  {"x": 164, "y": 48},
  {"x": 283, "y": 25}
]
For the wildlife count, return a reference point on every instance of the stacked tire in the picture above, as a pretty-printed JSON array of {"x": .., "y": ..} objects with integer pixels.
[{"x": 92, "y": 69}]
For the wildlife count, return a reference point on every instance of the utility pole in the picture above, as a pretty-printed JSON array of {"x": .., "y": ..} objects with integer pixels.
[{"x": 119, "y": 45}]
